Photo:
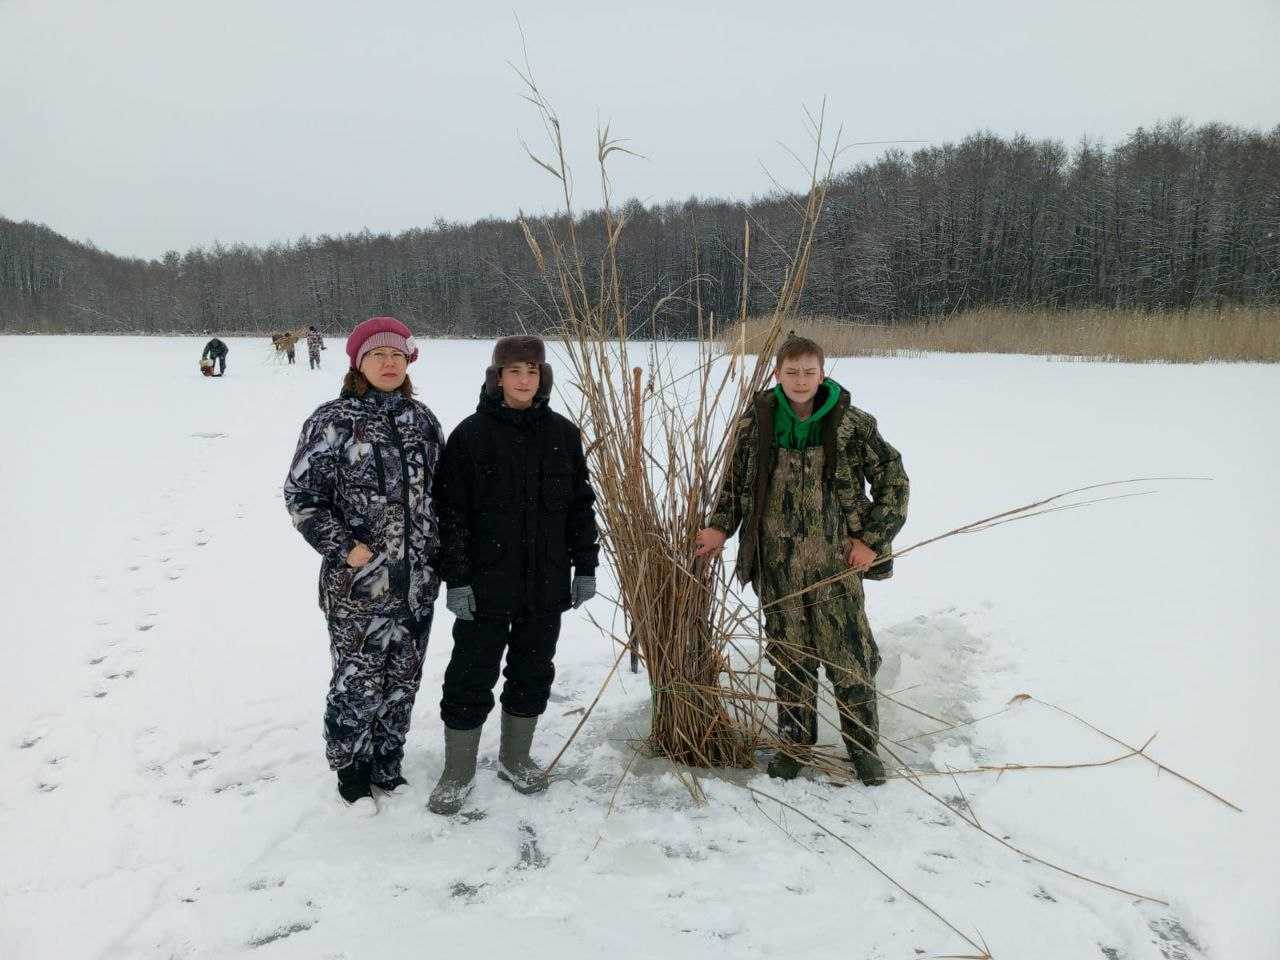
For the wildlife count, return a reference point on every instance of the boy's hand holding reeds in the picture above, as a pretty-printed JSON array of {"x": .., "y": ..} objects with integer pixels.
[
  {"x": 709, "y": 541},
  {"x": 359, "y": 556},
  {"x": 860, "y": 556}
]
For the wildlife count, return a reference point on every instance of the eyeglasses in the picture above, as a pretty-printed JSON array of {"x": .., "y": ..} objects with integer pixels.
[{"x": 385, "y": 354}]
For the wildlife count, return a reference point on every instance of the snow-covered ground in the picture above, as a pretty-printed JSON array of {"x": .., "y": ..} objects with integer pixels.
[{"x": 164, "y": 792}]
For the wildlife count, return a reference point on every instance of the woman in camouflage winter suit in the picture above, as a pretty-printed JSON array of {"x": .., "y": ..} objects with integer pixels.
[{"x": 359, "y": 492}]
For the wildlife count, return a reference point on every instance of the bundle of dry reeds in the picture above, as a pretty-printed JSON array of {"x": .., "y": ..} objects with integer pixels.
[
  {"x": 658, "y": 447},
  {"x": 284, "y": 342}
]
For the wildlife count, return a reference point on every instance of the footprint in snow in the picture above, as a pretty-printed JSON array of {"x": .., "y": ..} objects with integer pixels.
[
  {"x": 248, "y": 789},
  {"x": 265, "y": 883},
  {"x": 281, "y": 933},
  {"x": 531, "y": 855},
  {"x": 1173, "y": 941},
  {"x": 29, "y": 742}
]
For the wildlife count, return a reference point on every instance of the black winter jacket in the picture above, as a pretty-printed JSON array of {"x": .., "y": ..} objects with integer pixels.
[
  {"x": 516, "y": 509},
  {"x": 362, "y": 473}
]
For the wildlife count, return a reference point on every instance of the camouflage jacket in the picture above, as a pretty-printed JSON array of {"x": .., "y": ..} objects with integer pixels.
[
  {"x": 362, "y": 473},
  {"x": 856, "y": 457}
]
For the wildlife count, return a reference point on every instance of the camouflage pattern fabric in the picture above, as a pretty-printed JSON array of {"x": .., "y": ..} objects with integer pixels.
[
  {"x": 794, "y": 511},
  {"x": 362, "y": 473},
  {"x": 315, "y": 343},
  {"x": 857, "y": 459},
  {"x": 804, "y": 542},
  {"x": 377, "y": 668}
]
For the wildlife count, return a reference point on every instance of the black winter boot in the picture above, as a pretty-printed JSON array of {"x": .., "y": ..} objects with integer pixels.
[
  {"x": 868, "y": 766},
  {"x": 353, "y": 787},
  {"x": 390, "y": 784},
  {"x": 784, "y": 766},
  {"x": 514, "y": 763}
]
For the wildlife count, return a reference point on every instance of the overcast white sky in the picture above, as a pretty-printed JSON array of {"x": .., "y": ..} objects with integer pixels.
[{"x": 147, "y": 125}]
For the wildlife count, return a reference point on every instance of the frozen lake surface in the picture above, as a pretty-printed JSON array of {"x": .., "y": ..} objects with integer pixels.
[{"x": 165, "y": 792}]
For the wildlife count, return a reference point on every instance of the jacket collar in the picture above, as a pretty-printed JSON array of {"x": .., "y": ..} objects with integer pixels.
[{"x": 494, "y": 407}]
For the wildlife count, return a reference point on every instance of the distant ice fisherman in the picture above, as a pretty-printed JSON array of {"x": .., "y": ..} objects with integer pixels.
[{"x": 215, "y": 351}]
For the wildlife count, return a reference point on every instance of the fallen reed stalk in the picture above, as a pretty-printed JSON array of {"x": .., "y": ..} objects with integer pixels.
[
  {"x": 1140, "y": 751},
  {"x": 985, "y": 954}
]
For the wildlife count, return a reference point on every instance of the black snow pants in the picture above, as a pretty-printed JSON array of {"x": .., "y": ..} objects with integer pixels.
[
  {"x": 377, "y": 667},
  {"x": 530, "y": 644}
]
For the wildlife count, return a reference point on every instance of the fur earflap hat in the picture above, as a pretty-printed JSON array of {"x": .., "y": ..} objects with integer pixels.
[{"x": 518, "y": 349}]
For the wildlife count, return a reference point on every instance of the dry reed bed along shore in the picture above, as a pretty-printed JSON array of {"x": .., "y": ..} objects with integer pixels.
[{"x": 1233, "y": 334}]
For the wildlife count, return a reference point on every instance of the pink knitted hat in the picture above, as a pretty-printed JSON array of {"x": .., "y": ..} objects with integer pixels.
[{"x": 380, "y": 332}]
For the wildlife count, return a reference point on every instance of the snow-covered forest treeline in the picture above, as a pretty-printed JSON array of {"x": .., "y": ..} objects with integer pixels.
[{"x": 1176, "y": 216}]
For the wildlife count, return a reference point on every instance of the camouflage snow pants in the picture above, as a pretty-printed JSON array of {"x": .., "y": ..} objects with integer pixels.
[
  {"x": 805, "y": 541},
  {"x": 377, "y": 667}
]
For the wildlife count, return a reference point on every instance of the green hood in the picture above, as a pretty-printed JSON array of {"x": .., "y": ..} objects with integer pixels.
[{"x": 790, "y": 432}]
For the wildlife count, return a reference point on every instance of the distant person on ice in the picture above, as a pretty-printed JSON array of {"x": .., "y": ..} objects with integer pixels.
[
  {"x": 359, "y": 491},
  {"x": 214, "y": 351},
  {"x": 516, "y": 516},
  {"x": 284, "y": 342},
  {"x": 795, "y": 495},
  {"x": 315, "y": 343}
]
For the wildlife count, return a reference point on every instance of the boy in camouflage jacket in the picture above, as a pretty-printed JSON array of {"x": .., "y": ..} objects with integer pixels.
[{"x": 795, "y": 492}]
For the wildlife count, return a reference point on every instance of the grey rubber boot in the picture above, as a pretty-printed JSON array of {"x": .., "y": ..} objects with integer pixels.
[
  {"x": 514, "y": 763},
  {"x": 459, "y": 774}
]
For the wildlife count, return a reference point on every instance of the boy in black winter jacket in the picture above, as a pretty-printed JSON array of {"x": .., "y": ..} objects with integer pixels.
[{"x": 516, "y": 516}]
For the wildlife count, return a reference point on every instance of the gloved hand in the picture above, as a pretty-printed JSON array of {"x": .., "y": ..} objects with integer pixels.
[
  {"x": 461, "y": 602},
  {"x": 581, "y": 590}
]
